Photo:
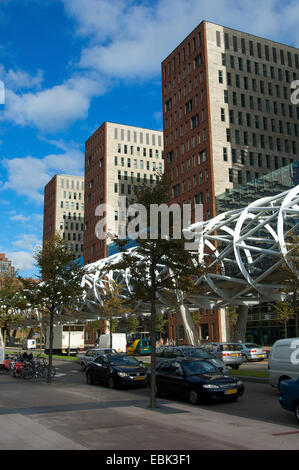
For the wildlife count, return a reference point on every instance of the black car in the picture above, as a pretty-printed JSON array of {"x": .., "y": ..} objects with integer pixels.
[
  {"x": 197, "y": 380},
  {"x": 116, "y": 370},
  {"x": 196, "y": 352}
]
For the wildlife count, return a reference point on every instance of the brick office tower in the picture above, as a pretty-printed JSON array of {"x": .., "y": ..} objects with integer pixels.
[
  {"x": 228, "y": 117},
  {"x": 118, "y": 158},
  {"x": 64, "y": 211},
  {"x": 6, "y": 267}
]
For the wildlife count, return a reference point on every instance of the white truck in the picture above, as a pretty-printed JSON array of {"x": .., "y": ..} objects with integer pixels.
[
  {"x": 66, "y": 337},
  {"x": 119, "y": 341}
]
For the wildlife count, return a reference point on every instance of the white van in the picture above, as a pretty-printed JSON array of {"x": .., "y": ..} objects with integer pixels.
[
  {"x": 284, "y": 361},
  {"x": 119, "y": 341}
]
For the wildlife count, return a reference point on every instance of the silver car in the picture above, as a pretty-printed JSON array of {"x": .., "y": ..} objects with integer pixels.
[
  {"x": 252, "y": 352},
  {"x": 229, "y": 353},
  {"x": 91, "y": 354}
]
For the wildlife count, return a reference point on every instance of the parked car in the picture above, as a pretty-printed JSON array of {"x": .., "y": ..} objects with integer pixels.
[
  {"x": 91, "y": 354},
  {"x": 284, "y": 361},
  {"x": 289, "y": 396},
  {"x": 173, "y": 352},
  {"x": 141, "y": 347},
  {"x": 252, "y": 352},
  {"x": 116, "y": 370},
  {"x": 196, "y": 380},
  {"x": 229, "y": 353}
]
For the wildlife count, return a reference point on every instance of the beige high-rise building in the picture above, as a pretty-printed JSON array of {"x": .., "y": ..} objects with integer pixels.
[
  {"x": 64, "y": 211},
  {"x": 228, "y": 119},
  {"x": 118, "y": 159},
  {"x": 228, "y": 115}
]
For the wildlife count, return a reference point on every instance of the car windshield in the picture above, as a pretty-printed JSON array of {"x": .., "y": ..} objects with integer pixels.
[
  {"x": 230, "y": 347},
  {"x": 123, "y": 361},
  {"x": 196, "y": 352},
  {"x": 252, "y": 345},
  {"x": 199, "y": 368}
]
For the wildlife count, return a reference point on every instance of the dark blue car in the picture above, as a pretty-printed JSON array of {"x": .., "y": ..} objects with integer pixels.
[{"x": 289, "y": 396}]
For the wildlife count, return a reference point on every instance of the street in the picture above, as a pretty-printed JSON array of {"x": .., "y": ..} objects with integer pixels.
[{"x": 69, "y": 414}]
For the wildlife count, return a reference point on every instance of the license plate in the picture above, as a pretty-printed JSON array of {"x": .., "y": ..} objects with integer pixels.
[
  {"x": 260, "y": 355},
  {"x": 233, "y": 355},
  {"x": 231, "y": 391},
  {"x": 138, "y": 378}
]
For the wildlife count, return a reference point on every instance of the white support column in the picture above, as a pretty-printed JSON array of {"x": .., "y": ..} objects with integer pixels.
[
  {"x": 189, "y": 327},
  {"x": 224, "y": 325}
]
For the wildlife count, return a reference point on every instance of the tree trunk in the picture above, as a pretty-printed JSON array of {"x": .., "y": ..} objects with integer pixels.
[
  {"x": 110, "y": 331},
  {"x": 176, "y": 326},
  {"x": 285, "y": 330},
  {"x": 295, "y": 311},
  {"x": 153, "y": 402},
  {"x": 49, "y": 379},
  {"x": 240, "y": 328}
]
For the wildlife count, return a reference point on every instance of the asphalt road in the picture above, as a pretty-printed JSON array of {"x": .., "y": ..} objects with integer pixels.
[
  {"x": 260, "y": 400},
  {"x": 70, "y": 414}
]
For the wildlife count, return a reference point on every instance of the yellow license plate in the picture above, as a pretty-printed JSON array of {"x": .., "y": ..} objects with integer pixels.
[
  {"x": 233, "y": 355},
  {"x": 138, "y": 378},
  {"x": 260, "y": 355},
  {"x": 231, "y": 391}
]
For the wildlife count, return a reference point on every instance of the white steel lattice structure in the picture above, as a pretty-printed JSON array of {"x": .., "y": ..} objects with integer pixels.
[{"x": 244, "y": 250}]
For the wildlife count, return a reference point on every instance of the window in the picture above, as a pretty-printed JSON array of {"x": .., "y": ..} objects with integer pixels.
[{"x": 220, "y": 76}]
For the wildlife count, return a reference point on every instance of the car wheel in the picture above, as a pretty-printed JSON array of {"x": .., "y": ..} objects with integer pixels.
[
  {"x": 89, "y": 379},
  {"x": 235, "y": 367},
  {"x": 297, "y": 411},
  {"x": 83, "y": 366},
  {"x": 111, "y": 382},
  {"x": 244, "y": 358},
  {"x": 194, "y": 397}
]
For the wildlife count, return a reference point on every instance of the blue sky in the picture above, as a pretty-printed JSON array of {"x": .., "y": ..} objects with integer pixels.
[{"x": 70, "y": 65}]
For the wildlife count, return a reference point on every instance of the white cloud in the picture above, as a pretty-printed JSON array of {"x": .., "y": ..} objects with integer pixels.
[
  {"x": 19, "y": 218},
  {"x": 27, "y": 242},
  {"x": 21, "y": 260},
  {"x": 142, "y": 35},
  {"x": 54, "y": 108},
  {"x": 28, "y": 176},
  {"x": 20, "y": 79}
]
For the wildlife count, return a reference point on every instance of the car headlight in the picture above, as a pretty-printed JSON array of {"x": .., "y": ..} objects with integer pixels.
[
  {"x": 239, "y": 383},
  {"x": 211, "y": 387},
  {"x": 123, "y": 374}
]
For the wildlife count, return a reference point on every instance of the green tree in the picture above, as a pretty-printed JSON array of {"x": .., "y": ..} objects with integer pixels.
[
  {"x": 60, "y": 290},
  {"x": 12, "y": 302},
  {"x": 284, "y": 312},
  {"x": 132, "y": 323},
  {"x": 144, "y": 263}
]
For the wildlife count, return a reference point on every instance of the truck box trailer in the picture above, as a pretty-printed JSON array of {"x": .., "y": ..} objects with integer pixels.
[
  {"x": 66, "y": 337},
  {"x": 119, "y": 341}
]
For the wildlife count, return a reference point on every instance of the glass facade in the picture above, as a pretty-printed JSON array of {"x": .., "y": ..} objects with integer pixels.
[
  {"x": 270, "y": 184},
  {"x": 262, "y": 327}
]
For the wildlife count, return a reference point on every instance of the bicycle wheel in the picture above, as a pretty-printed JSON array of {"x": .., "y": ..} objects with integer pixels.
[
  {"x": 27, "y": 373},
  {"x": 45, "y": 371}
]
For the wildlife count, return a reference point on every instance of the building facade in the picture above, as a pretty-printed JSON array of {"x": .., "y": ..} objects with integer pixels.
[
  {"x": 118, "y": 159},
  {"x": 227, "y": 117},
  {"x": 64, "y": 211},
  {"x": 6, "y": 267}
]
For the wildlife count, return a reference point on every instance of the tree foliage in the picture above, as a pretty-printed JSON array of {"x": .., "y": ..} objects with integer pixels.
[
  {"x": 144, "y": 262},
  {"x": 60, "y": 291}
]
